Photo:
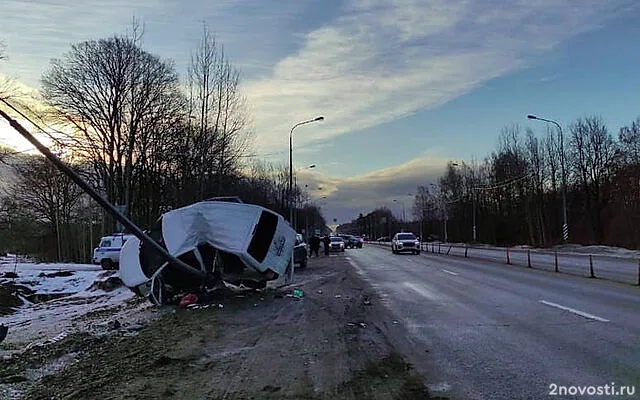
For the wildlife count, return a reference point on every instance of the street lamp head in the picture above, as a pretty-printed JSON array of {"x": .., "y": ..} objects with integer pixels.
[
  {"x": 312, "y": 166},
  {"x": 320, "y": 118},
  {"x": 453, "y": 164},
  {"x": 532, "y": 116}
]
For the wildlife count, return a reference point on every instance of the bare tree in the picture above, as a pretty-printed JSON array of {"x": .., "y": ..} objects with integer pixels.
[
  {"x": 7, "y": 87},
  {"x": 115, "y": 94},
  {"x": 592, "y": 158},
  {"x": 216, "y": 103},
  {"x": 49, "y": 196},
  {"x": 629, "y": 138},
  {"x": 536, "y": 162}
]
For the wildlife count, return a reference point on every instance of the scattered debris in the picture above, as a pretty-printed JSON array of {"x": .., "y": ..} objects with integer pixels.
[
  {"x": 109, "y": 284},
  {"x": 319, "y": 291},
  {"x": 13, "y": 379},
  {"x": 188, "y": 300},
  {"x": 338, "y": 296},
  {"x": 55, "y": 274},
  {"x": 3, "y": 332},
  {"x": 366, "y": 301},
  {"x": 362, "y": 325},
  {"x": 298, "y": 294},
  {"x": 115, "y": 324},
  {"x": 395, "y": 322},
  {"x": 10, "y": 275}
]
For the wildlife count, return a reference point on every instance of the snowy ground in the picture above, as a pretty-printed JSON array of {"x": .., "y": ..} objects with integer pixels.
[{"x": 61, "y": 299}]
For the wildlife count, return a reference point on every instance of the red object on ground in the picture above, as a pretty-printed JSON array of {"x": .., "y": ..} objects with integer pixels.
[{"x": 188, "y": 299}]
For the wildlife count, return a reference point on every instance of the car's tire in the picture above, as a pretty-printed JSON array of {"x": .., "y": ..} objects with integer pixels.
[
  {"x": 106, "y": 264},
  {"x": 343, "y": 249},
  {"x": 417, "y": 252}
]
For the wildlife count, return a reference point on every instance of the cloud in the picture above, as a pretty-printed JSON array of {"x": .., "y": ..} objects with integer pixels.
[
  {"x": 383, "y": 60},
  {"x": 346, "y": 197}
]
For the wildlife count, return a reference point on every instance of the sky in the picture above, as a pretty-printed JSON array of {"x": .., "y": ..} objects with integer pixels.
[{"x": 404, "y": 85}]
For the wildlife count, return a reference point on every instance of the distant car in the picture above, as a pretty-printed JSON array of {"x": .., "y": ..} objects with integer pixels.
[
  {"x": 300, "y": 252},
  {"x": 350, "y": 241},
  {"x": 405, "y": 242},
  {"x": 433, "y": 237},
  {"x": 337, "y": 243}
]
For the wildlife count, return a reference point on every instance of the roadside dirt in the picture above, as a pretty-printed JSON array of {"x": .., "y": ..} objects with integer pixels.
[{"x": 330, "y": 344}]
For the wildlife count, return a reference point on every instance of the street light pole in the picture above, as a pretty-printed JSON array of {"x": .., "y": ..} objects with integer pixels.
[
  {"x": 289, "y": 276},
  {"x": 565, "y": 224},
  {"x": 291, "y": 165},
  {"x": 473, "y": 196}
]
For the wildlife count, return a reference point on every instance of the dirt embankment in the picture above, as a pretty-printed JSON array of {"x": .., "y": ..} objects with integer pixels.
[{"x": 327, "y": 345}]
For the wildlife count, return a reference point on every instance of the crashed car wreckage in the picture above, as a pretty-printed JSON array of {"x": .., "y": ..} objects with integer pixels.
[
  {"x": 233, "y": 242},
  {"x": 197, "y": 247}
]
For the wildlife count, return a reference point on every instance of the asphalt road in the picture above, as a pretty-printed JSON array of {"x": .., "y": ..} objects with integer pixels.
[
  {"x": 616, "y": 268},
  {"x": 495, "y": 331}
]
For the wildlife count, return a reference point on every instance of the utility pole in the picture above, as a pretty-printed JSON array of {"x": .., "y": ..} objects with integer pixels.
[{"x": 565, "y": 224}]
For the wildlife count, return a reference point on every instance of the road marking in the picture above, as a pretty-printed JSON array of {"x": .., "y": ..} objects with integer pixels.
[
  {"x": 449, "y": 272},
  {"x": 573, "y": 310}
]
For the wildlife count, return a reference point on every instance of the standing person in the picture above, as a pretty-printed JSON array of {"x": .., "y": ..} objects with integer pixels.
[
  {"x": 314, "y": 245},
  {"x": 326, "y": 241}
]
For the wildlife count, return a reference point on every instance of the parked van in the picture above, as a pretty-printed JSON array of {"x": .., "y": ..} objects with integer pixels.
[{"x": 107, "y": 254}]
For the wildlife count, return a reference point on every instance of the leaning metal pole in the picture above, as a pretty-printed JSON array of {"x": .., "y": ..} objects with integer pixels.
[{"x": 126, "y": 222}]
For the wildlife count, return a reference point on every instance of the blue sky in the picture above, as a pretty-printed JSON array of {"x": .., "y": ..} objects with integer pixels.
[{"x": 404, "y": 85}]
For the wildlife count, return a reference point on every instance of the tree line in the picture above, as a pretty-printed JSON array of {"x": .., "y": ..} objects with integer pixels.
[
  {"x": 145, "y": 139},
  {"x": 515, "y": 195}
]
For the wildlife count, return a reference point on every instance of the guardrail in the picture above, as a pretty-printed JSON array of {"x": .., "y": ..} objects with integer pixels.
[{"x": 609, "y": 267}]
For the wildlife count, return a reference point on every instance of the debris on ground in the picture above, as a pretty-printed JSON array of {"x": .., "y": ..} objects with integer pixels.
[
  {"x": 308, "y": 349},
  {"x": 188, "y": 300},
  {"x": 3, "y": 332}
]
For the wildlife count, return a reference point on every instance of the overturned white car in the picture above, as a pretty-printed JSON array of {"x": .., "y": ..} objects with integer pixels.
[{"x": 228, "y": 241}]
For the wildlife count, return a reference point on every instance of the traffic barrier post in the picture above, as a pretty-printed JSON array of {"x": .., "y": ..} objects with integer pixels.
[
  {"x": 555, "y": 253},
  {"x": 508, "y": 259},
  {"x": 591, "y": 274},
  {"x": 529, "y": 258}
]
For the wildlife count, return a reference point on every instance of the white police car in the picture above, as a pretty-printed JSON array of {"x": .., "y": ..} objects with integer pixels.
[{"x": 107, "y": 254}]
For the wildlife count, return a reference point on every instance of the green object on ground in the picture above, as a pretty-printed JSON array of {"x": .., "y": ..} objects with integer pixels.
[{"x": 298, "y": 293}]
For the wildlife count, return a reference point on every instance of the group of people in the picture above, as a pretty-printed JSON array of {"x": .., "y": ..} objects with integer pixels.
[{"x": 314, "y": 244}]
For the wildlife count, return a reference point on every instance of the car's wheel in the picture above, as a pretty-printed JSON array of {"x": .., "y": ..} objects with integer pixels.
[
  {"x": 106, "y": 263},
  {"x": 343, "y": 249}
]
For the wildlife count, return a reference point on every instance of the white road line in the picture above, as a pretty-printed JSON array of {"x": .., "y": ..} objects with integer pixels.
[
  {"x": 449, "y": 272},
  {"x": 573, "y": 310}
]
